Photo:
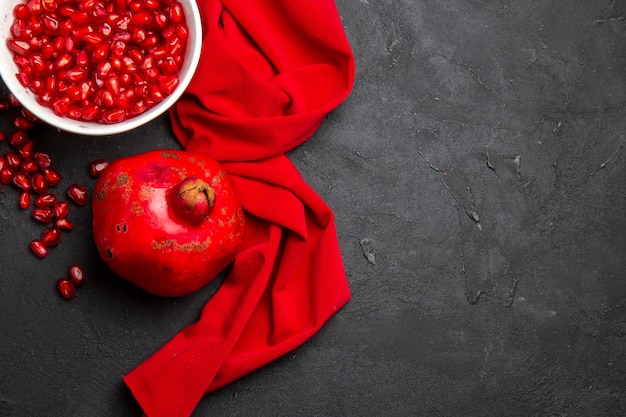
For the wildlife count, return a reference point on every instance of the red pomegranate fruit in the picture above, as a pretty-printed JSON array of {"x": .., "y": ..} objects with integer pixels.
[{"x": 166, "y": 220}]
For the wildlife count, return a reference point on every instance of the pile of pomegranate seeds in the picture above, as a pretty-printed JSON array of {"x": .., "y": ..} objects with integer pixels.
[
  {"x": 99, "y": 60},
  {"x": 31, "y": 172}
]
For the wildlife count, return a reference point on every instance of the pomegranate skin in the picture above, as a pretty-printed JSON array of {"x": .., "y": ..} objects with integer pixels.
[{"x": 143, "y": 236}]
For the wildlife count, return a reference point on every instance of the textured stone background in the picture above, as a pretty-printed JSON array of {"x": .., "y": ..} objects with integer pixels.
[{"x": 478, "y": 176}]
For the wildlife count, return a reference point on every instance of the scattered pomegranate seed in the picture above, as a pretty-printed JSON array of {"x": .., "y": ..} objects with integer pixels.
[
  {"x": 39, "y": 183},
  {"x": 97, "y": 166},
  {"x": 43, "y": 160},
  {"x": 64, "y": 224},
  {"x": 76, "y": 274},
  {"x": 61, "y": 209},
  {"x": 38, "y": 248},
  {"x": 43, "y": 214},
  {"x": 22, "y": 181},
  {"x": 78, "y": 194},
  {"x": 18, "y": 138},
  {"x": 51, "y": 236},
  {"x": 52, "y": 177},
  {"x": 26, "y": 150},
  {"x": 22, "y": 123},
  {"x": 14, "y": 161},
  {"x": 24, "y": 200},
  {"x": 13, "y": 101},
  {"x": 46, "y": 200},
  {"x": 29, "y": 115},
  {"x": 6, "y": 175},
  {"x": 29, "y": 166},
  {"x": 66, "y": 288}
]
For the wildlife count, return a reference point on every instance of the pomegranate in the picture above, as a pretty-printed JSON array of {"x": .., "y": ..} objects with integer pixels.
[{"x": 166, "y": 220}]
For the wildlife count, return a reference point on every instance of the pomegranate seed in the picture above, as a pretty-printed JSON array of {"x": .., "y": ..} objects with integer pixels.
[
  {"x": 22, "y": 123},
  {"x": 34, "y": 7},
  {"x": 29, "y": 166},
  {"x": 67, "y": 10},
  {"x": 50, "y": 23},
  {"x": 112, "y": 84},
  {"x": 101, "y": 52},
  {"x": 74, "y": 112},
  {"x": 76, "y": 274},
  {"x": 61, "y": 106},
  {"x": 90, "y": 112},
  {"x": 49, "y": 5},
  {"x": 113, "y": 116},
  {"x": 78, "y": 194},
  {"x": 169, "y": 66},
  {"x": 80, "y": 17},
  {"x": 152, "y": 5},
  {"x": 14, "y": 161},
  {"x": 43, "y": 160},
  {"x": 161, "y": 20},
  {"x": 120, "y": 5},
  {"x": 39, "y": 183},
  {"x": 51, "y": 236},
  {"x": 64, "y": 224},
  {"x": 21, "y": 11},
  {"x": 3, "y": 162},
  {"x": 134, "y": 6},
  {"x": 19, "y": 47},
  {"x": 38, "y": 248},
  {"x": 138, "y": 107},
  {"x": 168, "y": 84},
  {"x": 97, "y": 166},
  {"x": 61, "y": 210},
  {"x": 23, "y": 78},
  {"x": 29, "y": 116},
  {"x": 76, "y": 74},
  {"x": 177, "y": 15},
  {"x": 51, "y": 177},
  {"x": 6, "y": 175},
  {"x": 144, "y": 19},
  {"x": 73, "y": 92},
  {"x": 26, "y": 150},
  {"x": 37, "y": 63},
  {"x": 22, "y": 181},
  {"x": 95, "y": 39},
  {"x": 13, "y": 101},
  {"x": 66, "y": 288},
  {"x": 42, "y": 214},
  {"x": 24, "y": 200},
  {"x": 37, "y": 86},
  {"x": 46, "y": 200}
]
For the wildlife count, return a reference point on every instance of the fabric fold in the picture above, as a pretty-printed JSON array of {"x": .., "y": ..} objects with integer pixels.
[{"x": 269, "y": 73}]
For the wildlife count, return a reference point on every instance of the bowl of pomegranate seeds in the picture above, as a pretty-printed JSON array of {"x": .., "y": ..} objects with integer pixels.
[{"x": 98, "y": 67}]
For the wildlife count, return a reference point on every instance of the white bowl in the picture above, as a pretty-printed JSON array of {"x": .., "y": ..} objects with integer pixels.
[{"x": 8, "y": 69}]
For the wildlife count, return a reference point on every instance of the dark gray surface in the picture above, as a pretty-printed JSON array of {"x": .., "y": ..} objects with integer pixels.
[{"x": 477, "y": 173}]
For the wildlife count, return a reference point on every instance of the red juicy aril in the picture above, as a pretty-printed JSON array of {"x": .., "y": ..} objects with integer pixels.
[{"x": 98, "y": 60}]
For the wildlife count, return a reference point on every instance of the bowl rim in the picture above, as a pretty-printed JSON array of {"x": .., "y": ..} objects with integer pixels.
[{"x": 45, "y": 114}]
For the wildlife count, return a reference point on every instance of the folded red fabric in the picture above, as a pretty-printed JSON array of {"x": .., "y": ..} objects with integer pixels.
[{"x": 268, "y": 75}]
